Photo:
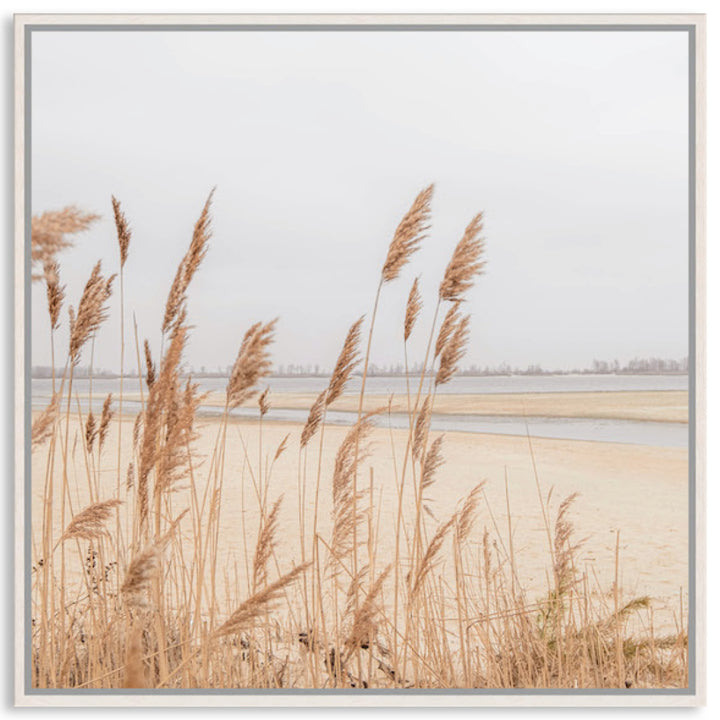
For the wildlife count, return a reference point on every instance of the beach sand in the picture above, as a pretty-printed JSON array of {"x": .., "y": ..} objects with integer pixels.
[{"x": 640, "y": 492}]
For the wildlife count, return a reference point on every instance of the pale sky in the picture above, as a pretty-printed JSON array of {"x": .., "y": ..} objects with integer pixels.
[{"x": 574, "y": 144}]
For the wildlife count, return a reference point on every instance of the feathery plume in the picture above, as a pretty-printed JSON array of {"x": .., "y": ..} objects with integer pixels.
[
  {"x": 92, "y": 311},
  {"x": 49, "y": 231},
  {"x": 137, "y": 425},
  {"x": 353, "y": 591},
  {"x": 347, "y": 361},
  {"x": 364, "y": 625},
  {"x": 90, "y": 431},
  {"x": 55, "y": 293},
  {"x": 281, "y": 447},
  {"x": 467, "y": 514},
  {"x": 187, "y": 268},
  {"x": 265, "y": 544},
  {"x": 252, "y": 363},
  {"x": 88, "y": 524},
  {"x": 430, "y": 557},
  {"x": 130, "y": 479},
  {"x": 144, "y": 567},
  {"x": 422, "y": 425},
  {"x": 123, "y": 230},
  {"x": 447, "y": 328},
  {"x": 140, "y": 573},
  {"x": 42, "y": 427},
  {"x": 433, "y": 460},
  {"x": 350, "y": 455},
  {"x": 410, "y": 232},
  {"x": 174, "y": 456},
  {"x": 315, "y": 417},
  {"x": 264, "y": 403},
  {"x": 257, "y": 604},
  {"x": 149, "y": 365},
  {"x": 161, "y": 393},
  {"x": 105, "y": 418},
  {"x": 563, "y": 567},
  {"x": 412, "y": 309},
  {"x": 465, "y": 262},
  {"x": 453, "y": 351}
]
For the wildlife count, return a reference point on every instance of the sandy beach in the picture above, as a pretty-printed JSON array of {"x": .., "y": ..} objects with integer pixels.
[{"x": 640, "y": 492}]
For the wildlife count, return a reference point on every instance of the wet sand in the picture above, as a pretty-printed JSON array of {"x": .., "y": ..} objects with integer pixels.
[{"x": 655, "y": 405}]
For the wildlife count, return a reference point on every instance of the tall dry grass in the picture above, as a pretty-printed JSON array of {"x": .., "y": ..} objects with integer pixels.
[{"x": 130, "y": 589}]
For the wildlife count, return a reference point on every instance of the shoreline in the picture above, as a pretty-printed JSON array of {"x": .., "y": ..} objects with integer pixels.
[{"x": 665, "y": 406}]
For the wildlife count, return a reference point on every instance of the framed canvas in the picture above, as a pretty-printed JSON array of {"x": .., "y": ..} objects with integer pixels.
[{"x": 360, "y": 360}]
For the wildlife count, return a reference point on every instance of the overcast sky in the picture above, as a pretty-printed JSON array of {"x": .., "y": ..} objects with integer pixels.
[{"x": 574, "y": 144}]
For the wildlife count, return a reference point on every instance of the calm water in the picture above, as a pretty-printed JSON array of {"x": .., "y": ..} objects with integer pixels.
[{"x": 620, "y": 431}]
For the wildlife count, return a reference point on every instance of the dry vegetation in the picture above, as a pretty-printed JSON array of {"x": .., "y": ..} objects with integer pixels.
[{"x": 126, "y": 590}]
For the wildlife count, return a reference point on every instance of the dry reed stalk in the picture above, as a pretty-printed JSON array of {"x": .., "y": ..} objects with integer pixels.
[
  {"x": 465, "y": 262},
  {"x": 105, "y": 419},
  {"x": 91, "y": 313},
  {"x": 173, "y": 460},
  {"x": 49, "y": 231},
  {"x": 161, "y": 394},
  {"x": 89, "y": 523},
  {"x": 252, "y": 363},
  {"x": 281, "y": 447},
  {"x": 55, "y": 293},
  {"x": 353, "y": 591},
  {"x": 149, "y": 365},
  {"x": 364, "y": 626},
  {"x": 347, "y": 361},
  {"x": 134, "y": 676},
  {"x": 137, "y": 425},
  {"x": 345, "y": 495},
  {"x": 264, "y": 402},
  {"x": 265, "y": 544},
  {"x": 90, "y": 431},
  {"x": 144, "y": 568},
  {"x": 453, "y": 351},
  {"x": 422, "y": 426},
  {"x": 430, "y": 557},
  {"x": 139, "y": 576},
  {"x": 408, "y": 235},
  {"x": 123, "y": 230},
  {"x": 177, "y": 296},
  {"x": 412, "y": 309},
  {"x": 44, "y": 424},
  {"x": 467, "y": 514},
  {"x": 314, "y": 419},
  {"x": 259, "y": 603},
  {"x": 447, "y": 328},
  {"x": 563, "y": 567},
  {"x": 433, "y": 460}
]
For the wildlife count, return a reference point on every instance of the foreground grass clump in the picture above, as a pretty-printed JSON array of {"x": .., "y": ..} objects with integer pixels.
[{"x": 130, "y": 585}]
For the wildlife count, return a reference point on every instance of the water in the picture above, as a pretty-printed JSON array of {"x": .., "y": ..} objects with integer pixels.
[
  {"x": 396, "y": 385},
  {"x": 660, "y": 434}
]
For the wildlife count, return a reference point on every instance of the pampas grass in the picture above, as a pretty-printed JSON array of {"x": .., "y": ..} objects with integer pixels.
[
  {"x": 251, "y": 365},
  {"x": 465, "y": 264},
  {"x": 91, "y": 313},
  {"x": 43, "y": 424},
  {"x": 50, "y": 231},
  {"x": 89, "y": 523}
]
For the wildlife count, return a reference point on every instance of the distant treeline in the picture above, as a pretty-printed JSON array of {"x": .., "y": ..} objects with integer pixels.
[{"x": 637, "y": 366}]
